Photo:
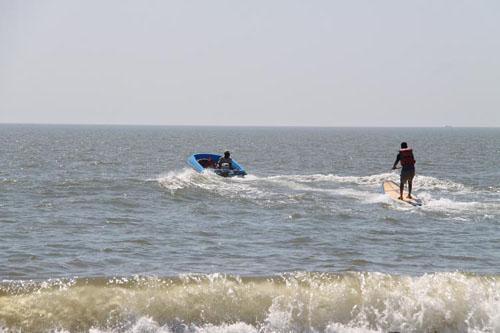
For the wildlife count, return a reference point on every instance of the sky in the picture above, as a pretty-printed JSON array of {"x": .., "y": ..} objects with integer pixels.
[{"x": 251, "y": 63}]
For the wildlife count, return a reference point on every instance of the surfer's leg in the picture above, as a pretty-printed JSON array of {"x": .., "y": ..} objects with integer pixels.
[
  {"x": 410, "y": 184},
  {"x": 401, "y": 187}
]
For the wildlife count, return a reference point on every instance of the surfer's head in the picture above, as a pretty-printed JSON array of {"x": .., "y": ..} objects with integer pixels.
[
  {"x": 404, "y": 145},
  {"x": 227, "y": 154}
]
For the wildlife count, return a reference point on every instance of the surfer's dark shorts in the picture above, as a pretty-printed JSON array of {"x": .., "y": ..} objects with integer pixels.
[{"x": 407, "y": 175}]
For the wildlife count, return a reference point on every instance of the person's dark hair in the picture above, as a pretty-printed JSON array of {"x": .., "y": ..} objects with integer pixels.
[
  {"x": 227, "y": 154},
  {"x": 404, "y": 145}
]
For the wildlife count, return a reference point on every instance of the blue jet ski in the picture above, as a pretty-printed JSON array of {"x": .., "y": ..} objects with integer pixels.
[{"x": 201, "y": 162}]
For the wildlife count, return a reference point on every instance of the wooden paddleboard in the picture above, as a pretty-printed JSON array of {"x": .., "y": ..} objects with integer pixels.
[{"x": 392, "y": 190}]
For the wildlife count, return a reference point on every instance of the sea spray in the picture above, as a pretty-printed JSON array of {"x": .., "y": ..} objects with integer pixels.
[{"x": 299, "y": 302}]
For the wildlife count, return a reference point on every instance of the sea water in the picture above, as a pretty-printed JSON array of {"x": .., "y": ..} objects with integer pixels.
[{"x": 106, "y": 229}]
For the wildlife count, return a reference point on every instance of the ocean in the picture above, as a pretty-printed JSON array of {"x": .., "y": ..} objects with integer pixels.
[{"x": 107, "y": 229}]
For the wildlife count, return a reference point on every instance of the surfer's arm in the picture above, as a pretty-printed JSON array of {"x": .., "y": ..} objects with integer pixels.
[{"x": 396, "y": 162}]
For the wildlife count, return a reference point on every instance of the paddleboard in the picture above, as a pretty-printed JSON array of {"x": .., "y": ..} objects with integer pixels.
[{"x": 392, "y": 190}]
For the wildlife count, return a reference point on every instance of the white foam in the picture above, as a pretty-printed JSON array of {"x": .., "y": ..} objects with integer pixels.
[
  {"x": 175, "y": 180},
  {"x": 210, "y": 182},
  {"x": 455, "y": 206},
  {"x": 185, "y": 177},
  {"x": 332, "y": 178},
  {"x": 340, "y": 328},
  {"x": 320, "y": 302},
  {"x": 364, "y": 196},
  {"x": 239, "y": 327},
  {"x": 421, "y": 182},
  {"x": 142, "y": 325},
  {"x": 148, "y": 325},
  {"x": 437, "y": 195},
  {"x": 431, "y": 183}
]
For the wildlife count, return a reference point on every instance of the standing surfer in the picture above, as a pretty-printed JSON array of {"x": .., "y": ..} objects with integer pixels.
[{"x": 407, "y": 160}]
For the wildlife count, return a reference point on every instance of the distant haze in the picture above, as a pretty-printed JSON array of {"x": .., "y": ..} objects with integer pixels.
[{"x": 299, "y": 63}]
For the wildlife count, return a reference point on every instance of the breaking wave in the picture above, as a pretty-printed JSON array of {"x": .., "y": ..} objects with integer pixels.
[{"x": 300, "y": 302}]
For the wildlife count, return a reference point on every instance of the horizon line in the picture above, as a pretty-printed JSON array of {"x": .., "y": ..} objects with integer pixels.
[{"x": 242, "y": 126}]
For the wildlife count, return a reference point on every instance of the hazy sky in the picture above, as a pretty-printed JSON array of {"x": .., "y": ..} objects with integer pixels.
[{"x": 302, "y": 63}]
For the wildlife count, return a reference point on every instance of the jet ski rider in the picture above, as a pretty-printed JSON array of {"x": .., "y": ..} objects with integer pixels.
[
  {"x": 225, "y": 162},
  {"x": 407, "y": 160}
]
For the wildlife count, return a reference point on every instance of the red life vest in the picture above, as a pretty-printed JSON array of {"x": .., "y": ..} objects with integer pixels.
[{"x": 406, "y": 157}]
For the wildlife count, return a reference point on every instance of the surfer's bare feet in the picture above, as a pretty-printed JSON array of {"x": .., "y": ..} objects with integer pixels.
[
  {"x": 409, "y": 196},
  {"x": 400, "y": 198}
]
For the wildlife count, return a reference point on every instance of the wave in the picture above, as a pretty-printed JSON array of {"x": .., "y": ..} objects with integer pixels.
[{"x": 299, "y": 302}]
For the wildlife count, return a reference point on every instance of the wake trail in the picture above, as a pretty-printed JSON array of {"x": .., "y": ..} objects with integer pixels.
[{"x": 438, "y": 195}]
